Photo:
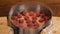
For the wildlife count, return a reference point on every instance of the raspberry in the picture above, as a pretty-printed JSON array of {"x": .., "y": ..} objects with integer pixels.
[
  {"x": 26, "y": 17},
  {"x": 24, "y": 13},
  {"x": 21, "y": 25},
  {"x": 42, "y": 15},
  {"x": 21, "y": 21},
  {"x": 31, "y": 13},
  {"x": 36, "y": 24},
  {"x": 46, "y": 18},
  {"x": 30, "y": 24},
  {"x": 15, "y": 22},
  {"x": 34, "y": 20},
  {"x": 37, "y": 14},
  {"x": 28, "y": 21},
  {"x": 34, "y": 17},
  {"x": 46, "y": 21},
  {"x": 19, "y": 16},
  {"x": 41, "y": 20},
  {"x": 15, "y": 17}
]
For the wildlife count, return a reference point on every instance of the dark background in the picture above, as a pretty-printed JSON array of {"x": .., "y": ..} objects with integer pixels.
[{"x": 5, "y": 5}]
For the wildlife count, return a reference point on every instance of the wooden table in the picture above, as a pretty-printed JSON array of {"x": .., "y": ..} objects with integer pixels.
[{"x": 4, "y": 29}]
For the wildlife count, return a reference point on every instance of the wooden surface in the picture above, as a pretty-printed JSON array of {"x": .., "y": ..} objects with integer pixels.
[
  {"x": 4, "y": 29},
  {"x": 5, "y": 5},
  {"x": 56, "y": 25}
]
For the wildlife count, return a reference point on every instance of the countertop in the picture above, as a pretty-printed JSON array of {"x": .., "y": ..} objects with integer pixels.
[{"x": 4, "y": 29}]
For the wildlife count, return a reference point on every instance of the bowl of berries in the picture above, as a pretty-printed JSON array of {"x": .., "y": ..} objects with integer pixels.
[{"x": 30, "y": 18}]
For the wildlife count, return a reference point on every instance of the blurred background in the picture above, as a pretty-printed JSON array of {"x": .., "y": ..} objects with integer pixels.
[{"x": 5, "y": 5}]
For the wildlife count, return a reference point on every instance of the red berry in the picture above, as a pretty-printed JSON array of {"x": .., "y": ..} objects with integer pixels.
[
  {"x": 37, "y": 14},
  {"x": 41, "y": 20},
  {"x": 21, "y": 21},
  {"x": 31, "y": 13},
  {"x": 36, "y": 24},
  {"x": 42, "y": 15},
  {"x": 34, "y": 20},
  {"x": 15, "y": 22},
  {"x": 28, "y": 21},
  {"x": 15, "y": 17},
  {"x": 24, "y": 13},
  {"x": 46, "y": 21},
  {"x": 46, "y": 18},
  {"x": 30, "y": 24},
  {"x": 21, "y": 25},
  {"x": 26, "y": 17},
  {"x": 34, "y": 17},
  {"x": 19, "y": 16}
]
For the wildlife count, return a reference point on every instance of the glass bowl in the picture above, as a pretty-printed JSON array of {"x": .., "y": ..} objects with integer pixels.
[{"x": 19, "y": 11}]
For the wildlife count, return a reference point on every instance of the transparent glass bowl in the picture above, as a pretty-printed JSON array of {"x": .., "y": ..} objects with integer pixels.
[{"x": 35, "y": 7}]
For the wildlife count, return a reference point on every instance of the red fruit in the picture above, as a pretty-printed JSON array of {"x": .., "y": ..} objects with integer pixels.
[
  {"x": 34, "y": 17},
  {"x": 46, "y": 18},
  {"x": 19, "y": 16},
  {"x": 31, "y": 13},
  {"x": 26, "y": 17},
  {"x": 41, "y": 20},
  {"x": 36, "y": 24},
  {"x": 20, "y": 25},
  {"x": 21, "y": 21},
  {"x": 15, "y": 22},
  {"x": 30, "y": 24},
  {"x": 46, "y": 21},
  {"x": 24, "y": 13},
  {"x": 28, "y": 21},
  {"x": 37, "y": 14},
  {"x": 34, "y": 20},
  {"x": 42, "y": 15},
  {"x": 15, "y": 17}
]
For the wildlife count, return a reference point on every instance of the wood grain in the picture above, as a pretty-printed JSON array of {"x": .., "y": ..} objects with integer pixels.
[
  {"x": 4, "y": 28},
  {"x": 56, "y": 23},
  {"x": 5, "y": 5}
]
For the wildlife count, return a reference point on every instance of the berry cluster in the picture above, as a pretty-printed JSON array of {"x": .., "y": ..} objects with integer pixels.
[{"x": 30, "y": 19}]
